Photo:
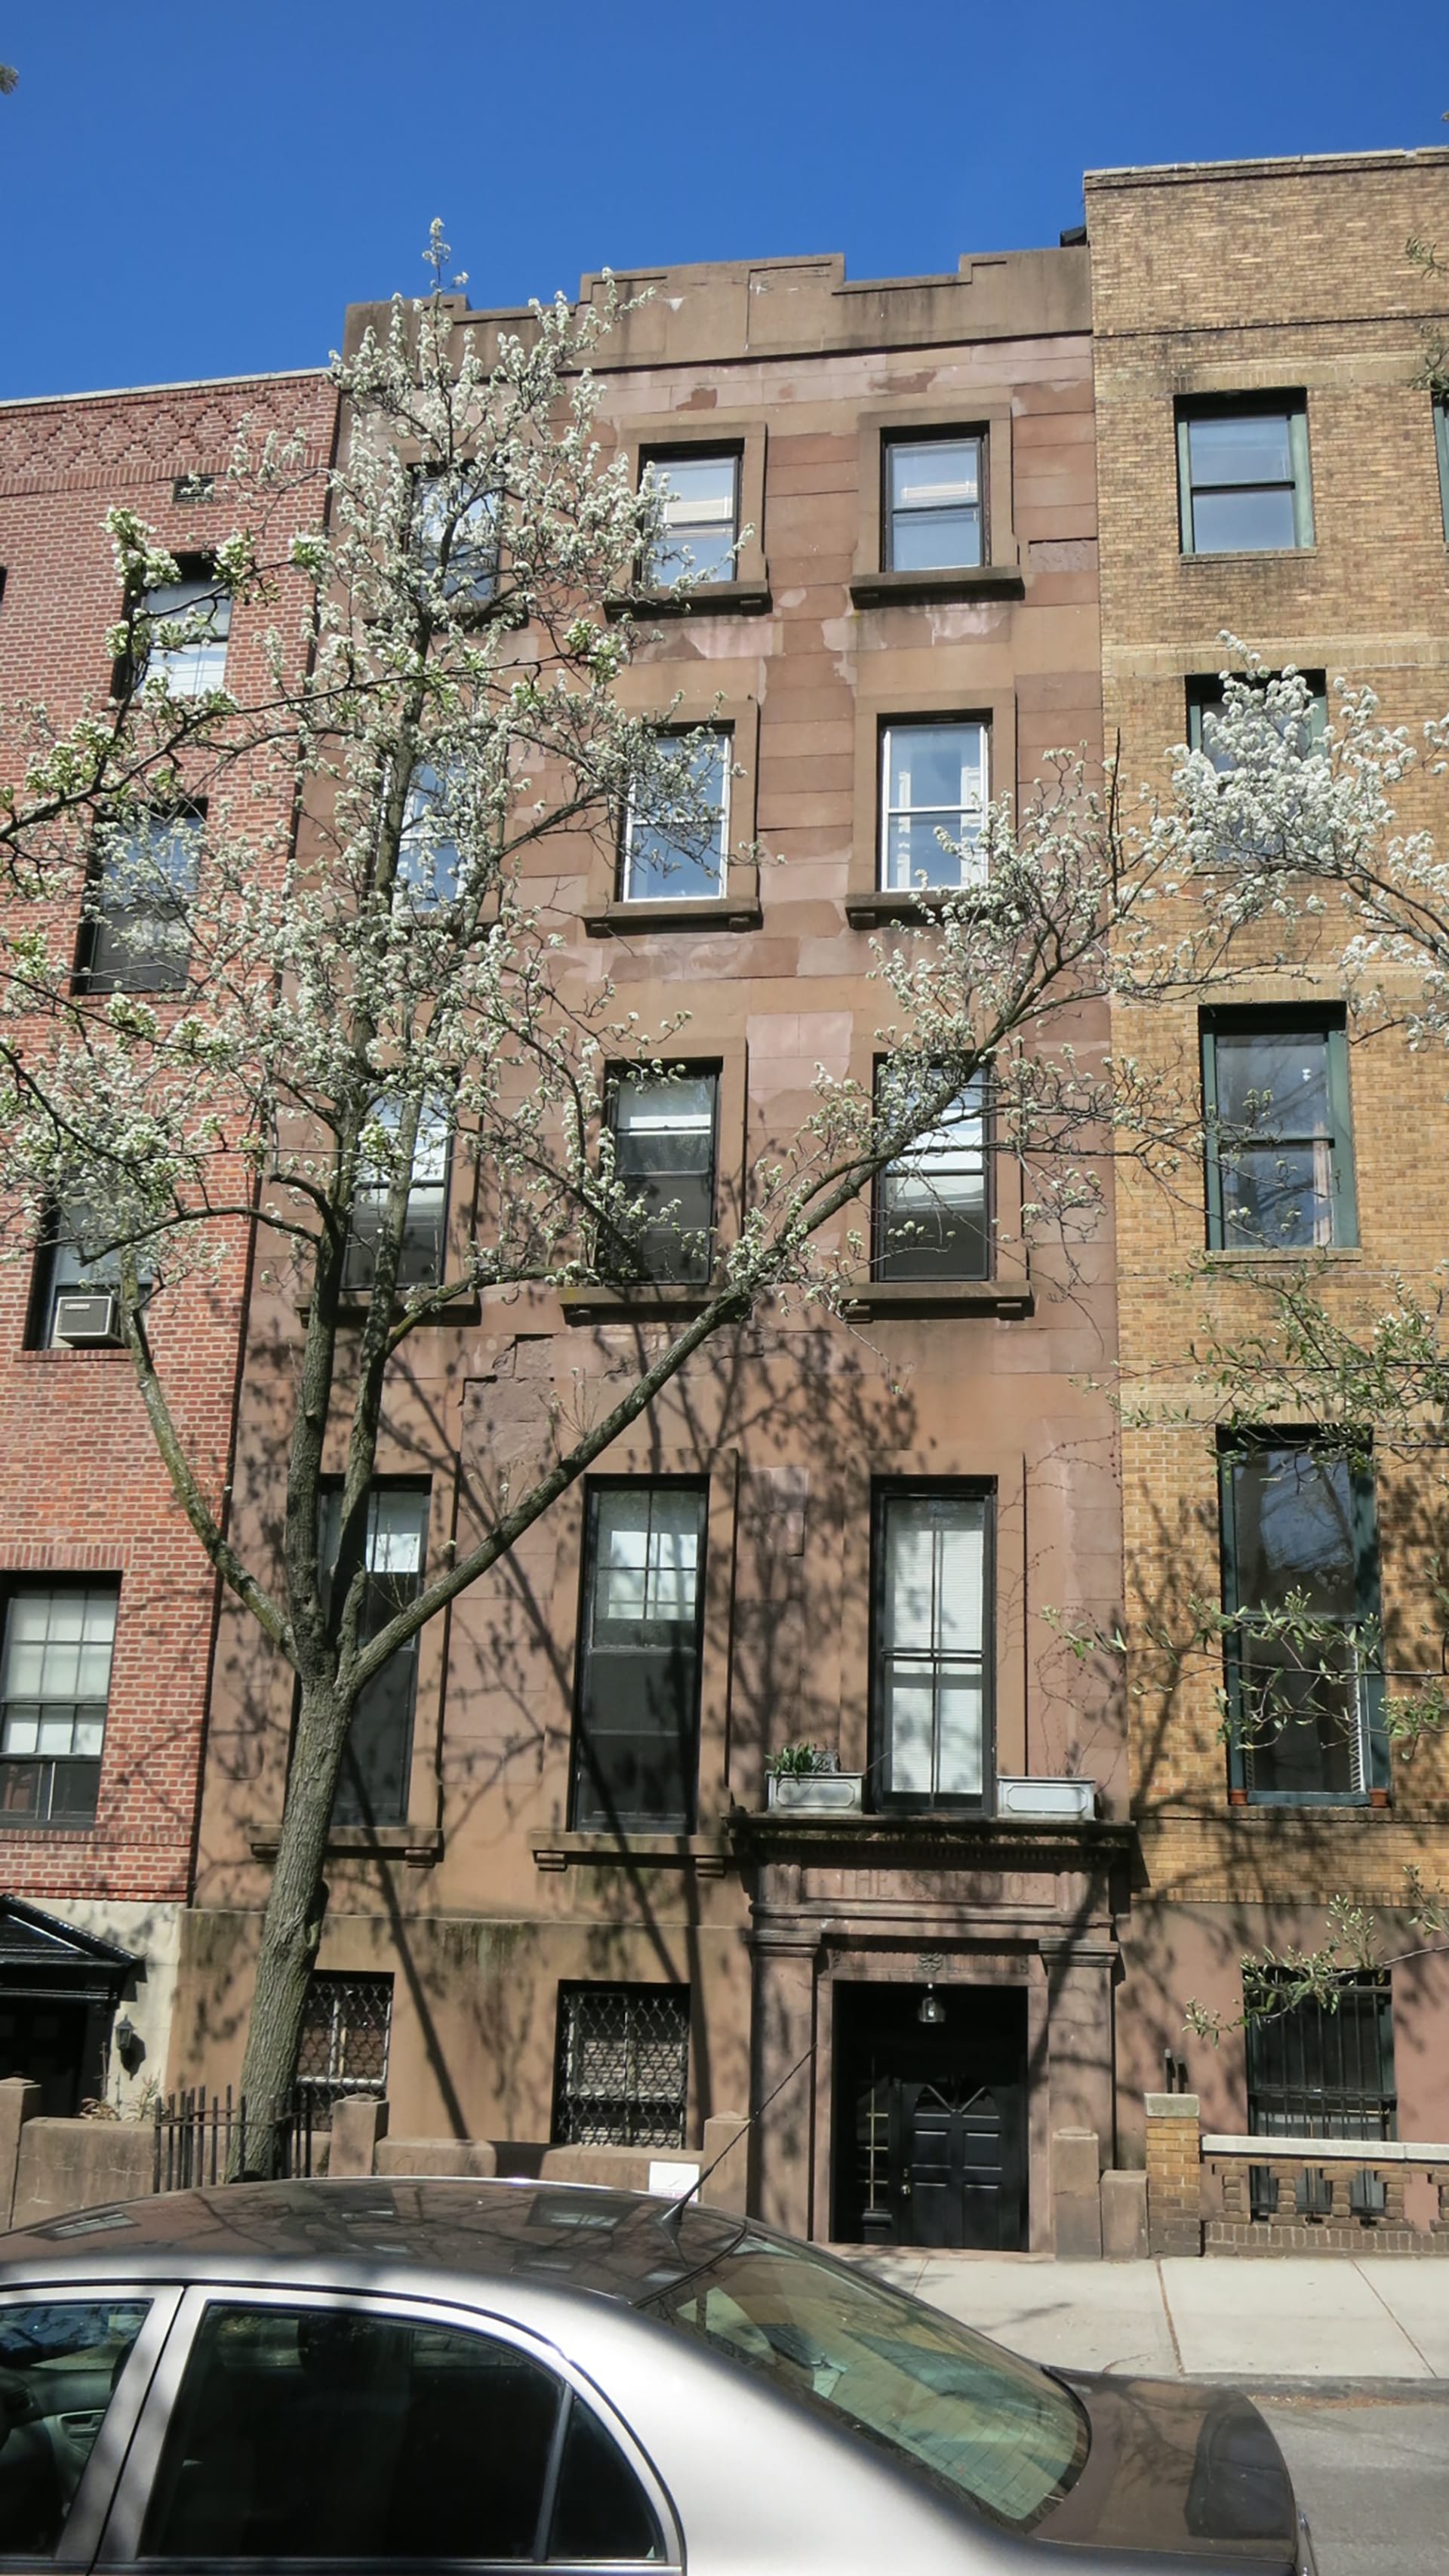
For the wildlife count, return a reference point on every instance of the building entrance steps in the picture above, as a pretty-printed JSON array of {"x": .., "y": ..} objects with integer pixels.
[{"x": 1322, "y": 2319}]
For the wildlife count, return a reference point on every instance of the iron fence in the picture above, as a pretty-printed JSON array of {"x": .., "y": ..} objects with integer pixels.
[{"x": 195, "y": 2135}]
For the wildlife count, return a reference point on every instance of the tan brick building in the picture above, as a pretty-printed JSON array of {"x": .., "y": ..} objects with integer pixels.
[
  {"x": 914, "y": 461},
  {"x": 108, "y": 1607},
  {"x": 1269, "y": 466}
]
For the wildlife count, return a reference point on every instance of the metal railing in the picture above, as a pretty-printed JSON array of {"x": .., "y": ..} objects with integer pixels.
[{"x": 195, "y": 2135}]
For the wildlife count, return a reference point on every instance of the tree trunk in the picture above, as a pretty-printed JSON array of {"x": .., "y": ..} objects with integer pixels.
[{"x": 291, "y": 1931}]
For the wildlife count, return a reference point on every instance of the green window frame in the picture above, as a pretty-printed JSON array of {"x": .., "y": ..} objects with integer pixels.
[
  {"x": 1205, "y": 698},
  {"x": 1207, "y": 482},
  {"x": 1328, "y": 1682},
  {"x": 1441, "y": 441},
  {"x": 1327, "y": 1157}
]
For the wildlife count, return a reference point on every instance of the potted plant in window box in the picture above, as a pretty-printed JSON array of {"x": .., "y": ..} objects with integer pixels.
[{"x": 807, "y": 1780}]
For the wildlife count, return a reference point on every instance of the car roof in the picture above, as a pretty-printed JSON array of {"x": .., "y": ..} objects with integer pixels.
[{"x": 614, "y": 2244}]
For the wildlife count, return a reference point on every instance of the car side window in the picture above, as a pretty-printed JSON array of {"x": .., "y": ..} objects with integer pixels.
[
  {"x": 60, "y": 2361},
  {"x": 340, "y": 2433}
]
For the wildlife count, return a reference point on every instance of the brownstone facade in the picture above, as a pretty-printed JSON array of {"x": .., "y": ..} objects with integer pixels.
[
  {"x": 1280, "y": 287},
  {"x": 489, "y": 1913},
  {"x": 84, "y": 1501}
]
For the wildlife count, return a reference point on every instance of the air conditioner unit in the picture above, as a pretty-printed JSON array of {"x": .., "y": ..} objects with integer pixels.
[{"x": 86, "y": 1318}]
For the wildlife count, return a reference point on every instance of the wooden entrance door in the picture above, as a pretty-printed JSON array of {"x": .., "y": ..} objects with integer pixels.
[{"x": 956, "y": 2172}]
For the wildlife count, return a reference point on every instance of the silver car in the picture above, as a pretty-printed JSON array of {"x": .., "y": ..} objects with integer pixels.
[{"x": 450, "y": 2375}]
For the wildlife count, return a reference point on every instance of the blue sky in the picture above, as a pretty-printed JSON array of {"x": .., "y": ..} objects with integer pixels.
[{"x": 190, "y": 190}]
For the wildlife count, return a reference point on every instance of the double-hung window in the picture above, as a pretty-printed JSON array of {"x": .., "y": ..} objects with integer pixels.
[
  {"x": 428, "y": 871},
  {"x": 1279, "y": 1139},
  {"x": 932, "y": 1720},
  {"x": 636, "y": 1733},
  {"x": 931, "y": 1208},
  {"x": 1243, "y": 481},
  {"x": 678, "y": 852},
  {"x": 663, "y": 1128},
  {"x": 935, "y": 503},
  {"x": 78, "y": 1278},
  {"x": 372, "y": 1788},
  {"x": 137, "y": 933},
  {"x": 346, "y": 2030},
  {"x": 193, "y": 616},
  {"x": 55, "y": 1685},
  {"x": 933, "y": 783},
  {"x": 420, "y": 1249},
  {"x": 622, "y": 2071},
  {"x": 457, "y": 538},
  {"x": 1301, "y": 1596},
  {"x": 1441, "y": 439},
  {"x": 699, "y": 500}
]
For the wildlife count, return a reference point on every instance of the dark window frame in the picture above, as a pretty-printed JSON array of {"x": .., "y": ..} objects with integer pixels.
[
  {"x": 45, "y": 1288},
  {"x": 1204, "y": 696},
  {"x": 589, "y": 1806},
  {"x": 1291, "y": 406},
  {"x": 694, "y": 1269},
  {"x": 321, "y": 2090},
  {"x": 643, "y": 1995},
  {"x": 191, "y": 566},
  {"x": 1368, "y": 1667},
  {"x": 1289, "y": 1019},
  {"x": 952, "y": 434},
  {"x": 423, "y": 1245},
  {"x": 662, "y": 452},
  {"x": 473, "y": 574},
  {"x": 1441, "y": 443},
  {"x": 912, "y": 1262},
  {"x": 884, "y": 1491},
  {"x": 82, "y": 1817},
  {"x": 352, "y": 1789},
  {"x": 1279, "y": 2106},
  {"x": 135, "y": 971}
]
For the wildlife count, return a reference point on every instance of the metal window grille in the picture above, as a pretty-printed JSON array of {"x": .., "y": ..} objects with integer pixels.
[
  {"x": 623, "y": 2066},
  {"x": 345, "y": 2034},
  {"x": 1317, "y": 2072}
]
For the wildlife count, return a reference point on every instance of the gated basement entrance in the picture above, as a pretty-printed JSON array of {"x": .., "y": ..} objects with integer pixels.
[{"x": 930, "y": 2116}]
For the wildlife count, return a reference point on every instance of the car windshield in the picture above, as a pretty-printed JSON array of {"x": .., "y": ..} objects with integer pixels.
[{"x": 986, "y": 2425}]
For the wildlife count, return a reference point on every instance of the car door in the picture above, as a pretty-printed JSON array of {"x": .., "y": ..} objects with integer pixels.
[
  {"x": 315, "y": 2430},
  {"x": 75, "y": 2363}
]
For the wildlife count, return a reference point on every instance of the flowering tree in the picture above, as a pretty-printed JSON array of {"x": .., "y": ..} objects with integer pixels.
[{"x": 286, "y": 1034}]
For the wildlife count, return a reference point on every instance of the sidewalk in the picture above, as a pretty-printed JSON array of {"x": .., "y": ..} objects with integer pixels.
[{"x": 1298, "y": 2318}]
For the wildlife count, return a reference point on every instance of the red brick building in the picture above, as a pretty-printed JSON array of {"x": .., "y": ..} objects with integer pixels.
[{"x": 107, "y": 1605}]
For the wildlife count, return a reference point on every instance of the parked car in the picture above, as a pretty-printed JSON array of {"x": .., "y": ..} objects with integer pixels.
[{"x": 507, "y": 2374}]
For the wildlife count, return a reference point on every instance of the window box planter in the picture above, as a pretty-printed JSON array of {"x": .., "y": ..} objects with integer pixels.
[
  {"x": 816, "y": 1793},
  {"x": 1057, "y": 1802}
]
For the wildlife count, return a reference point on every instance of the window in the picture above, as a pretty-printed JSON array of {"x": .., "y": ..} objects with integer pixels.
[
  {"x": 934, "y": 493},
  {"x": 1243, "y": 476},
  {"x": 457, "y": 539},
  {"x": 137, "y": 936},
  {"x": 428, "y": 868},
  {"x": 637, "y": 1726},
  {"x": 663, "y": 1127},
  {"x": 1301, "y": 1590},
  {"x": 1321, "y": 2072},
  {"x": 701, "y": 518},
  {"x": 198, "y": 614},
  {"x": 420, "y": 1252},
  {"x": 933, "y": 781},
  {"x": 1441, "y": 435},
  {"x": 349, "y": 2432},
  {"x": 346, "y": 2028},
  {"x": 54, "y": 1690},
  {"x": 683, "y": 859},
  {"x": 1205, "y": 703},
  {"x": 1279, "y": 1141},
  {"x": 77, "y": 1280},
  {"x": 373, "y": 1786},
  {"x": 931, "y": 1219},
  {"x": 623, "y": 2066},
  {"x": 63, "y": 2360},
  {"x": 932, "y": 1592}
]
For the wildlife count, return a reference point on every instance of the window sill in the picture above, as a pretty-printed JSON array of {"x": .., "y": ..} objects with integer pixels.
[
  {"x": 88, "y": 1351},
  {"x": 353, "y": 1311},
  {"x": 1240, "y": 1256},
  {"x": 873, "y": 909},
  {"x": 621, "y": 920},
  {"x": 664, "y": 1302},
  {"x": 420, "y": 1845},
  {"x": 1007, "y": 1296},
  {"x": 706, "y": 1855},
  {"x": 1290, "y": 1801},
  {"x": 961, "y": 581},
  {"x": 1249, "y": 555},
  {"x": 707, "y": 599},
  {"x": 48, "y": 1825}
]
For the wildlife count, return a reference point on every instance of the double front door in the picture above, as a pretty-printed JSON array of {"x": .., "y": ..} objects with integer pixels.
[
  {"x": 931, "y": 2118},
  {"x": 953, "y": 2162}
]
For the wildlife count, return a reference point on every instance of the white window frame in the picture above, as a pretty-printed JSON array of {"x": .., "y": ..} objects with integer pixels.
[{"x": 970, "y": 813}]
